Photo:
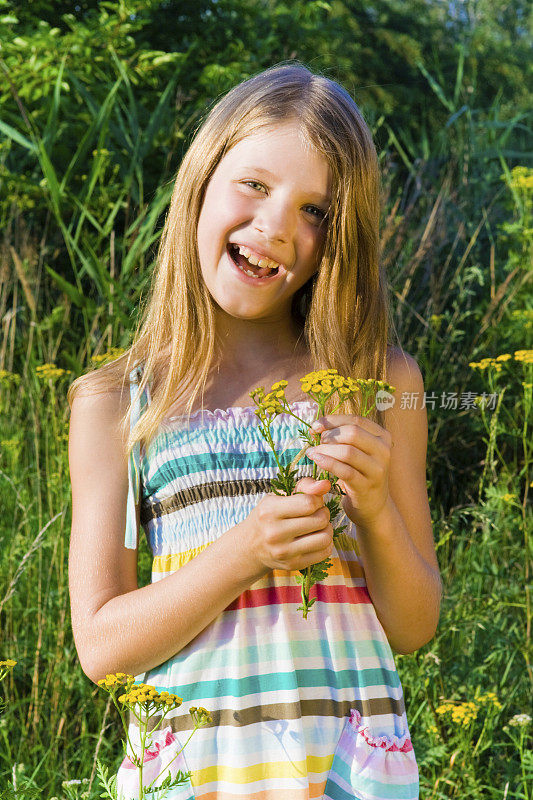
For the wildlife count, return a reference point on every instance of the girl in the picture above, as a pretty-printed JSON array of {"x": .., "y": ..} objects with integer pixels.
[{"x": 267, "y": 269}]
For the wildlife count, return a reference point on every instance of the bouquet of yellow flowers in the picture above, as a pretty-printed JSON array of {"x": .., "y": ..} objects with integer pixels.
[
  {"x": 320, "y": 386},
  {"x": 150, "y": 768}
]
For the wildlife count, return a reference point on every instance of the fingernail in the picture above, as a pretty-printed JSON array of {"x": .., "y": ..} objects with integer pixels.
[{"x": 317, "y": 426}]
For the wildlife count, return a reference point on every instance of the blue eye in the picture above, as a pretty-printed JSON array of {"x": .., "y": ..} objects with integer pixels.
[
  {"x": 319, "y": 211},
  {"x": 315, "y": 212},
  {"x": 248, "y": 183}
]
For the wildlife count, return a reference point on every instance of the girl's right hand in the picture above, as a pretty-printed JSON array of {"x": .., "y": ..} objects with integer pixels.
[{"x": 291, "y": 532}]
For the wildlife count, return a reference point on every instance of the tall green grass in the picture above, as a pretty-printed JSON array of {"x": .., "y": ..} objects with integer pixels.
[{"x": 457, "y": 246}]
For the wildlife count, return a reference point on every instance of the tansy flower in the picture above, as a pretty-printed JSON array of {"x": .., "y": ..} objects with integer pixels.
[
  {"x": 9, "y": 377},
  {"x": 489, "y": 698},
  {"x": 320, "y": 385},
  {"x": 526, "y": 356},
  {"x": 50, "y": 372},
  {"x": 110, "y": 355},
  {"x": 149, "y": 699}
]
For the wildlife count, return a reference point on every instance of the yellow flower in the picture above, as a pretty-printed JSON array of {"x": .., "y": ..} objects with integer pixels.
[
  {"x": 114, "y": 681},
  {"x": 9, "y": 377},
  {"x": 444, "y": 708},
  {"x": 504, "y": 357},
  {"x": 50, "y": 371},
  {"x": 490, "y": 698},
  {"x": 525, "y": 356},
  {"x": 110, "y": 355},
  {"x": 201, "y": 716},
  {"x": 145, "y": 695}
]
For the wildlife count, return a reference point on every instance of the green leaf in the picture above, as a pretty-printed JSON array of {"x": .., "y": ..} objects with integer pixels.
[
  {"x": 13, "y": 134},
  {"x": 72, "y": 293},
  {"x": 435, "y": 86}
]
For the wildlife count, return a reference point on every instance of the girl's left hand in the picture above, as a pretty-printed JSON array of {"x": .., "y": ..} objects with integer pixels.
[{"x": 357, "y": 451}]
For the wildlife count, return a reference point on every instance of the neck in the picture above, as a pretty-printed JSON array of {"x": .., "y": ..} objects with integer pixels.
[{"x": 255, "y": 344}]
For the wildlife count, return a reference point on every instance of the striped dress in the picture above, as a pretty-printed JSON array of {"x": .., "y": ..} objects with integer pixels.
[{"x": 301, "y": 708}]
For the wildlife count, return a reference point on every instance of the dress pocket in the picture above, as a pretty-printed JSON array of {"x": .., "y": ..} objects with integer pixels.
[
  {"x": 368, "y": 767},
  {"x": 162, "y": 760}
]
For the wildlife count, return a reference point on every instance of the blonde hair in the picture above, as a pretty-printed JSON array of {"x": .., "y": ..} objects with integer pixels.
[{"x": 343, "y": 308}]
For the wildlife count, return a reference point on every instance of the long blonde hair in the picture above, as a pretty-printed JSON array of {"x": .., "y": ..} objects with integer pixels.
[{"x": 343, "y": 308}]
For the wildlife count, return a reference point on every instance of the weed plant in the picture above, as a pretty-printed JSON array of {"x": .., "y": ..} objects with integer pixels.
[{"x": 456, "y": 243}]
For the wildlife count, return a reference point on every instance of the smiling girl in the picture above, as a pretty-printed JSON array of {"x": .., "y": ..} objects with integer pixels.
[{"x": 267, "y": 269}]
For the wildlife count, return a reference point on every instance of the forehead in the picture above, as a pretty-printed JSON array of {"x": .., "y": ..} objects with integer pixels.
[{"x": 281, "y": 149}]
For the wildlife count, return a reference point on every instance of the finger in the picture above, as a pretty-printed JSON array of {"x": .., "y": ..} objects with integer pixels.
[
  {"x": 345, "y": 458},
  {"x": 295, "y": 505},
  {"x": 353, "y": 435},
  {"x": 309, "y": 485},
  {"x": 336, "y": 420}
]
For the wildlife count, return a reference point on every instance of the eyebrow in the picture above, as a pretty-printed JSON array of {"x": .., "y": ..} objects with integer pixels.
[{"x": 322, "y": 197}]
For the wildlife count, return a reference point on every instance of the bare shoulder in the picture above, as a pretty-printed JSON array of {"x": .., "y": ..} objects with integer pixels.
[
  {"x": 90, "y": 405},
  {"x": 403, "y": 370},
  {"x": 406, "y": 419},
  {"x": 97, "y": 449}
]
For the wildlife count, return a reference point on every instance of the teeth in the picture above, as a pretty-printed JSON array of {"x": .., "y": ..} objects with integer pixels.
[
  {"x": 258, "y": 262},
  {"x": 247, "y": 271}
]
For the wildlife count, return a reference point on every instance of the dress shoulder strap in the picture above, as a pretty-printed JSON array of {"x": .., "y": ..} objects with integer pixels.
[{"x": 138, "y": 404}]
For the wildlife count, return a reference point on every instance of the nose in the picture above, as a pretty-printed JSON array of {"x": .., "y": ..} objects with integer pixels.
[{"x": 275, "y": 220}]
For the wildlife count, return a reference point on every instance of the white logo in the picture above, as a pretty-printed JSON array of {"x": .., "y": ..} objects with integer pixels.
[{"x": 384, "y": 400}]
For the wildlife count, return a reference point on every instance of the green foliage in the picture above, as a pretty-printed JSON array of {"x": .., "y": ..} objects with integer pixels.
[{"x": 97, "y": 104}]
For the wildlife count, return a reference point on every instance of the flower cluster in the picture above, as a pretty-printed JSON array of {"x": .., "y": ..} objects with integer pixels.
[
  {"x": 50, "y": 371},
  {"x": 462, "y": 714},
  {"x": 139, "y": 694},
  {"x": 525, "y": 316},
  {"x": 201, "y": 716},
  {"x": 525, "y": 356},
  {"x": 465, "y": 713},
  {"x": 508, "y": 497},
  {"x": 149, "y": 699},
  {"x": 320, "y": 385},
  {"x": 110, "y": 355},
  {"x": 152, "y": 757},
  {"x": 520, "y": 721},
  {"x": 489, "y": 698},
  {"x": 323, "y": 383},
  {"x": 521, "y": 178},
  {"x": 9, "y": 377},
  {"x": 115, "y": 681},
  {"x": 272, "y": 403}
]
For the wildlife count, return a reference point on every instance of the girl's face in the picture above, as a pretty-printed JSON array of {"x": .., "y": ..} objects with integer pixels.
[{"x": 269, "y": 193}]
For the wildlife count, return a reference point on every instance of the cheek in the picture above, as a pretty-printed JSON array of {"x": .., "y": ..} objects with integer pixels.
[{"x": 313, "y": 247}]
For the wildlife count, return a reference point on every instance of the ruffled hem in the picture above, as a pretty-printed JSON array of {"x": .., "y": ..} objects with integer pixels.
[
  {"x": 400, "y": 743},
  {"x": 236, "y": 412}
]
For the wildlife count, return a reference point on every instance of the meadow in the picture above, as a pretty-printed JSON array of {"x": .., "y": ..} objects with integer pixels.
[{"x": 81, "y": 206}]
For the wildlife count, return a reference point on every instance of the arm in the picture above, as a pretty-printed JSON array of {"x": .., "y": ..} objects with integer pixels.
[
  {"x": 397, "y": 548},
  {"x": 118, "y": 626}
]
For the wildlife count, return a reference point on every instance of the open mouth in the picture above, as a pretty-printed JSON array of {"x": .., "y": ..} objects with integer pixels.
[{"x": 245, "y": 266}]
